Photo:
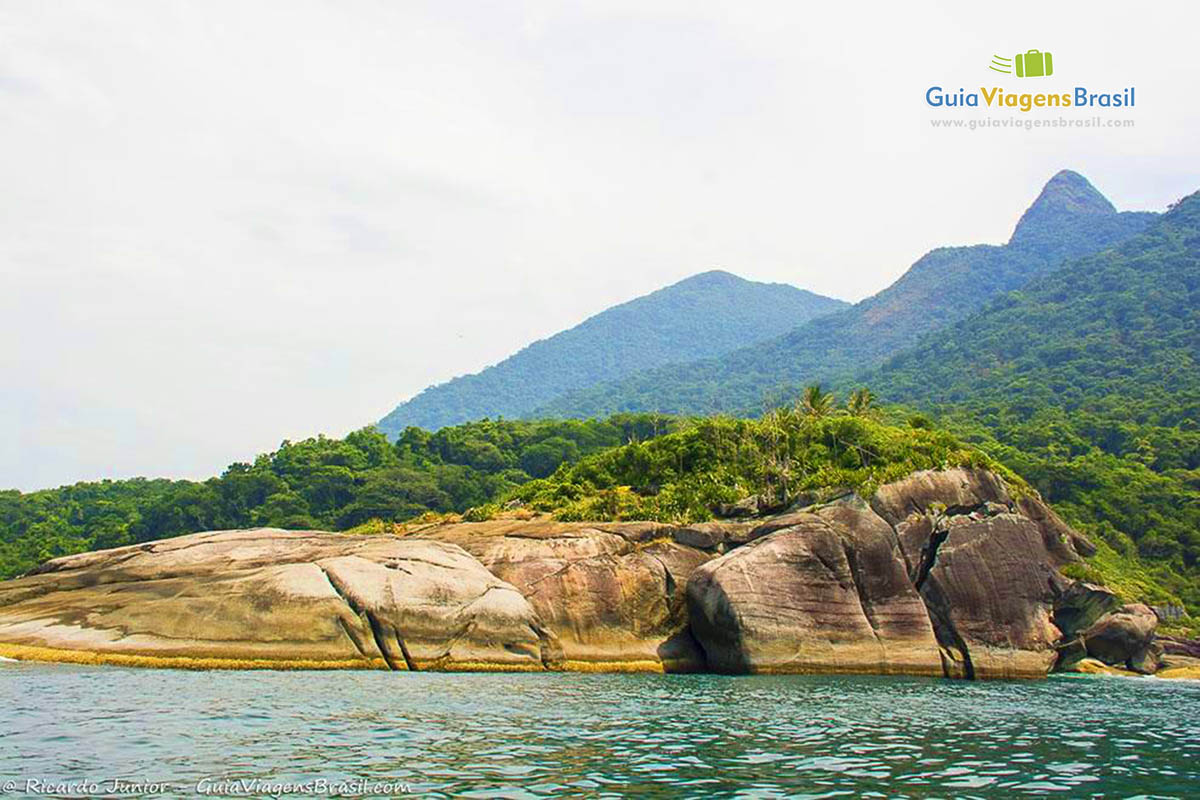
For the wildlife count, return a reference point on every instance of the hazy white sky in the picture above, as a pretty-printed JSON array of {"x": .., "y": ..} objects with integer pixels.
[{"x": 223, "y": 224}]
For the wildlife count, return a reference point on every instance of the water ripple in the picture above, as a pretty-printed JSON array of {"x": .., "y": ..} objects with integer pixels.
[{"x": 523, "y": 736}]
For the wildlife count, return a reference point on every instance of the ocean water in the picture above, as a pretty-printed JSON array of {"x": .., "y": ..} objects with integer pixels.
[{"x": 497, "y": 735}]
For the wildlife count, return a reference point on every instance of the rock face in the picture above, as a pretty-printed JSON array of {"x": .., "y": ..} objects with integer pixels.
[
  {"x": 1125, "y": 637},
  {"x": 613, "y": 593},
  {"x": 1081, "y": 605},
  {"x": 827, "y": 593},
  {"x": 1176, "y": 646},
  {"x": 1097, "y": 627},
  {"x": 273, "y": 598},
  {"x": 942, "y": 573}
]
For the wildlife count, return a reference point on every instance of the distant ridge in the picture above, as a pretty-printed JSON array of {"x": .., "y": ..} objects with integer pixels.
[
  {"x": 702, "y": 316},
  {"x": 1069, "y": 218},
  {"x": 1101, "y": 333}
]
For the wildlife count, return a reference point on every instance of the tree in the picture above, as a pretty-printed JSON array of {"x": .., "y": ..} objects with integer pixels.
[
  {"x": 861, "y": 403},
  {"x": 540, "y": 460},
  {"x": 395, "y": 493},
  {"x": 816, "y": 402}
]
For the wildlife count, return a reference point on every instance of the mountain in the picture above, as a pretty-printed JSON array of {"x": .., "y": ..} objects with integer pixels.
[
  {"x": 1069, "y": 218},
  {"x": 705, "y": 315},
  {"x": 1087, "y": 381},
  {"x": 1116, "y": 326}
]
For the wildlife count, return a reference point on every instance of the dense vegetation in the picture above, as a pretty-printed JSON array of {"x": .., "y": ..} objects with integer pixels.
[
  {"x": 788, "y": 453},
  {"x": 317, "y": 483},
  {"x": 706, "y": 315},
  {"x": 1087, "y": 383},
  {"x": 1068, "y": 219}
]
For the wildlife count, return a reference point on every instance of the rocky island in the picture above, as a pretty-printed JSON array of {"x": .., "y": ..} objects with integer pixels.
[{"x": 943, "y": 573}]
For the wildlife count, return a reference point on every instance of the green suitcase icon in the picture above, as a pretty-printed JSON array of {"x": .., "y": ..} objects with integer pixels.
[{"x": 1034, "y": 64}]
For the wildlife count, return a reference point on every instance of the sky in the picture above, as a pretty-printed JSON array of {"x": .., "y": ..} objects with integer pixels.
[{"x": 226, "y": 224}]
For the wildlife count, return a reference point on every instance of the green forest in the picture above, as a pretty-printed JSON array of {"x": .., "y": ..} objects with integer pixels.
[
  {"x": 792, "y": 454},
  {"x": 625, "y": 468},
  {"x": 677, "y": 467},
  {"x": 320, "y": 483}
]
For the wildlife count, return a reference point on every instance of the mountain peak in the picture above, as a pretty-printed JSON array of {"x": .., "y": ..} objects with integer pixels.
[
  {"x": 1071, "y": 192},
  {"x": 713, "y": 277},
  {"x": 699, "y": 317},
  {"x": 1066, "y": 196}
]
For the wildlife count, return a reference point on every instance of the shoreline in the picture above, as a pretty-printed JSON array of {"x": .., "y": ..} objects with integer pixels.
[
  {"x": 51, "y": 655},
  {"x": 16, "y": 653}
]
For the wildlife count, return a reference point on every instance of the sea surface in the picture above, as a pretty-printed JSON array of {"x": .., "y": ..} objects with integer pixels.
[{"x": 497, "y": 735}]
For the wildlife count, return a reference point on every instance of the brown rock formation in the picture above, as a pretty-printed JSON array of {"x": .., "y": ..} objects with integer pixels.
[
  {"x": 827, "y": 593},
  {"x": 272, "y": 598},
  {"x": 1125, "y": 637},
  {"x": 944, "y": 572},
  {"x": 1080, "y": 605},
  {"x": 613, "y": 593},
  {"x": 986, "y": 565}
]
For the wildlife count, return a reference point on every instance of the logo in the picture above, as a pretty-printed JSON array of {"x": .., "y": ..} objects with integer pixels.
[
  {"x": 1030, "y": 64},
  {"x": 1050, "y": 97}
]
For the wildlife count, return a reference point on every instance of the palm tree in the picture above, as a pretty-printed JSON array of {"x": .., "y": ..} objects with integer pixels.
[
  {"x": 861, "y": 403},
  {"x": 816, "y": 402}
]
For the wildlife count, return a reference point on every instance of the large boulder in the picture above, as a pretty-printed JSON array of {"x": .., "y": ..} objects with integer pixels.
[
  {"x": 612, "y": 593},
  {"x": 944, "y": 572},
  {"x": 829, "y": 592},
  {"x": 274, "y": 598},
  {"x": 1080, "y": 605},
  {"x": 1124, "y": 637},
  {"x": 991, "y": 591},
  {"x": 986, "y": 565}
]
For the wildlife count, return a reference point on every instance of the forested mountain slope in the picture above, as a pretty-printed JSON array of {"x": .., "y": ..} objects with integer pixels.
[
  {"x": 1068, "y": 219},
  {"x": 705, "y": 315}
]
